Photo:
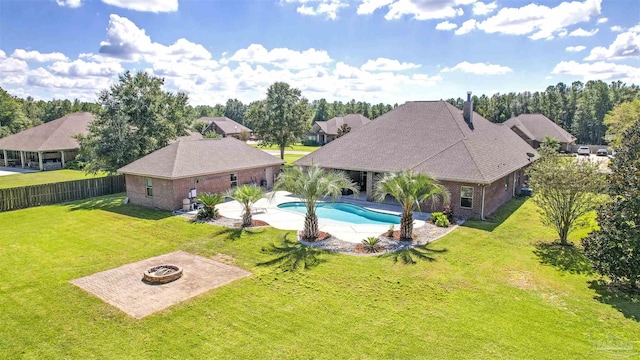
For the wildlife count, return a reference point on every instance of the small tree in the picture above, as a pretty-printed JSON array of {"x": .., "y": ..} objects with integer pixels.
[
  {"x": 199, "y": 126},
  {"x": 565, "y": 189},
  {"x": 550, "y": 143},
  {"x": 312, "y": 184},
  {"x": 244, "y": 135},
  {"x": 212, "y": 135},
  {"x": 246, "y": 195},
  {"x": 614, "y": 249},
  {"x": 343, "y": 130},
  {"x": 409, "y": 189}
]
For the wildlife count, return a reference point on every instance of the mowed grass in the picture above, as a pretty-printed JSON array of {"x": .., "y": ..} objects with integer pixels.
[
  {"x": 44, "y": 177},
  {"x": 486, "y": 290},
  {"x": 295, "y": 147}
]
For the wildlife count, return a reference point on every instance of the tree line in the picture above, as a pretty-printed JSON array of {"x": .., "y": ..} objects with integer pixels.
[{"x": 579, "y": 108}]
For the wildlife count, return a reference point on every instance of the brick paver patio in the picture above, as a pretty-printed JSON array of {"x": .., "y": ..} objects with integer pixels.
[{"x": 123, "y": 287}]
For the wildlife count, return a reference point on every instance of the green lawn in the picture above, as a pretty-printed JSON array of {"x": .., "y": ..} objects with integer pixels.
[
  {"x": 43, "y": 177},
  {"x": 487, "y": 290},
  {"x": 296, "y": 147}
]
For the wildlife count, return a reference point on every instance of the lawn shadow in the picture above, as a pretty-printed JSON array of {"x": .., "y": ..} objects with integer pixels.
[
  {"x": 627, "y": 302},
  {"x": 233, "y": 234},
  {"x": 115, "y": 204},
  {"x": 293, "y": 255},
  {"x": 497, "y": 218},
  {"x": 565, "y": 258},
  {"x": 410, "y": 255}
]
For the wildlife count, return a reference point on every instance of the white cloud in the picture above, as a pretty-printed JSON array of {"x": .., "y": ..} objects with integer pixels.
[
  {"x": 616, "y": 28},
  {"x": 11, "y": 65},
  {"x": 154, "y": 6},
  {"x": 466, "y": 27},
  {"x": 446, "y": 26},
  {"x": 539, "y": 21},
  {"x": 40, "y": 77},
  {"x": 480, "y": 8},
  {"x": 2, "y": 54},
  {"x": 426, "y": 10},
  {"x": 598, "y": 71},
  {"x": 81, "y": 68},
  {"x": 479, "y": 68},
  {"x": 370, "y": 6},
  {"x": 69, "y": 3},
  {"x": 384, "y": 64},
  {"x": 38, "y": 56},
  {"x": 126, "y": 41},
  {"x": 602, "y": 20},
  {"x": 626, "y": 45},
  {"x": 580, "y": 32},
  {"x": 577, "y": 48},
  {"x": 281, "y": 57},
  {"x": 328, "y": 8}
]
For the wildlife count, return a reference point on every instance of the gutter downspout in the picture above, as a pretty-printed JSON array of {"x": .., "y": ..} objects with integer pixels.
[{"x": 482, "y": 210}]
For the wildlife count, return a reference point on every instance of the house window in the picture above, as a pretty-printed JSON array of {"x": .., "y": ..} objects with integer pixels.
[
  {"x": 466, "y": 197},
  {"x": 234, "y": 180},
  {"x": 149, "y": 187}
]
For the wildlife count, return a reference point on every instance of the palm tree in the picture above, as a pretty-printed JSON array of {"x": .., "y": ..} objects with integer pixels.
[
  {"x": 409, "y": 189},
  {"x": 310, "y": 185},
  {"x": 246, "y": 195}
]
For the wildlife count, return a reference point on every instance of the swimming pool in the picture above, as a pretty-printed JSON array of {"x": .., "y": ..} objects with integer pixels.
[{"x": 345, "y": 212}]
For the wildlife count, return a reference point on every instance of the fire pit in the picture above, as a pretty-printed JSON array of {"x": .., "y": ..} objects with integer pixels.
[{"x": 162, "y": 274}]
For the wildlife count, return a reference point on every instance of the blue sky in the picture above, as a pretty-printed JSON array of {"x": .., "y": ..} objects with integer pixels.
[{"x": 373, "y": 50}]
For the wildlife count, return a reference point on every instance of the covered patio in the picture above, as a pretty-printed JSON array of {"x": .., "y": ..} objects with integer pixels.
[{"x": 45, "y": 147}]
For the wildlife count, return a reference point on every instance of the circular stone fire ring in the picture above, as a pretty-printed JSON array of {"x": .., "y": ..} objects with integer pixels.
[{"x": 162, "y": 274}]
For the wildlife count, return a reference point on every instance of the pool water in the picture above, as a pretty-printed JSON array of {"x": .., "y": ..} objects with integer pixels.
[{"x": 345, "y": 212}]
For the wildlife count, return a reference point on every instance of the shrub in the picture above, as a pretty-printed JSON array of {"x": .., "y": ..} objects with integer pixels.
[
  {"x": 209, "y": 202},
  {"x": 392, "y": 228},
  {"x": 309, "y": 142},
  {"x": 440, "y": 219},
  {"x": 448, "y": 212},
  {"x": 371, "y": 244},
  {"x": 74, "y": 165}
]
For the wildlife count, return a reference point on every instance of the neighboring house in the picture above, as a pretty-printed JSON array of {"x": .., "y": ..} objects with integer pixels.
[
  {"x": 327, "y": 131},
  {"x": 532, "y": 128},
  {"x": 224, "y": 126},
  {"x": 165, "y": 177},
  {"x": 47, "y": 146},
  {"x": 480, "y": 163}
]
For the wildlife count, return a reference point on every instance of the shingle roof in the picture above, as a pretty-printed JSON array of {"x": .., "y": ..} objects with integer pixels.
[
  {"x": 225, "y": 124},
  {"x": 51, "y": 136},
  {"x": 430, "y": 137},
  {"x": 189, "y": 158},
  {"x": 537, "y": 126},
  {"x": 331, "y": 126}
]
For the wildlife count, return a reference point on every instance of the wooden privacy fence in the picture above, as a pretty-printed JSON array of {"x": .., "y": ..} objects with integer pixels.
[{"x": 53, "y": 193}]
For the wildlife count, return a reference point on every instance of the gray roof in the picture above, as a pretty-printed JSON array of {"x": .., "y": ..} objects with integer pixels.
[
  {"x": 430, "y": 137},
  {"x": 226, "y": 125},
  {"x": 190, "y": 158},
  {"x": 331, "y": 126},
  {"x": 191, "y": 135},
  {"x": 537, "y": 126},
  {"x": 51, "y": 136}
]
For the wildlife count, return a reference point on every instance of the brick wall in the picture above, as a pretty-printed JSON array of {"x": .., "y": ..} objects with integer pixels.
[
  {"x": 168, "y": 194},
  {"x": 162, "y": 192}
]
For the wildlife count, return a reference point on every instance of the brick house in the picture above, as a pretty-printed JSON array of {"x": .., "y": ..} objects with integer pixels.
[
  {"x": 533, "y": 128},
  {"x": 224, "y": 126},
  {"x": 326, "y": 131},
  {"x": 479, "y": 162},
  {"x": 165, "y": 177}
]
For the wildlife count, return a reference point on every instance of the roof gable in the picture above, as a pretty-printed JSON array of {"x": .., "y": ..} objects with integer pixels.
[
  {"x": 189, "y": 158},
  {"x": 537, "y": 126},
  {"x": 226, "y": 125},
  {"x": 54, "y": 135},
  {"x": 331, "y": 126}
]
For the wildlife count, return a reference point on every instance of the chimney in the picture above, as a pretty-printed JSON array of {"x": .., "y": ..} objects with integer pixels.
[{"x": 467, "y": 111}]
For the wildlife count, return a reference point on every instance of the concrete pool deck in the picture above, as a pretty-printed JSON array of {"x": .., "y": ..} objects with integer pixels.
[{"x": 290, "y": 220}]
